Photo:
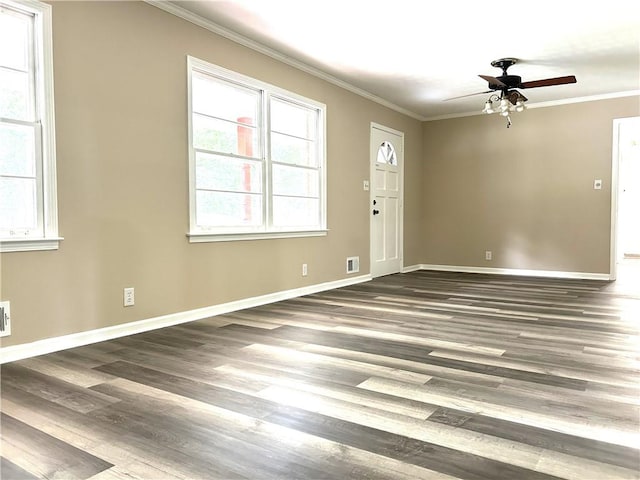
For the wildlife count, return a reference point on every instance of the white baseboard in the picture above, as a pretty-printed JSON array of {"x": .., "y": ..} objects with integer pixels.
[
  {"x": 55, "y": 344},
  {"x": 514, "y": 271},
  {"x": 411, "y": 268}
]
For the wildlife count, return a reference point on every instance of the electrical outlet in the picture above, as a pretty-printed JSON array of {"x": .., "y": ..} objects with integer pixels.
[
  {"x": 304, "y": 270},
  {"x": 488, "y": 255},
  {"x": 5, "y": 319},
  {"x": 129, "y": 297}
]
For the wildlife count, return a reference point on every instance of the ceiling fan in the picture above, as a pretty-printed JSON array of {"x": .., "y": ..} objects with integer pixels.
[{"x": 507, "y": 84}]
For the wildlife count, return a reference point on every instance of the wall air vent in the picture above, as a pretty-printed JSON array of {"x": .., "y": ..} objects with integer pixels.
[
  {"x": 353, "y": 264},
  {"x": 5, "y": 319}
]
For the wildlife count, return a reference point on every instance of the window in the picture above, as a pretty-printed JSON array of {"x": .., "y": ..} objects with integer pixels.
[
  {"x": 257, "y": 158},
  {"x": 387, "y": 154},
  {"x": 28, "y": 215}
]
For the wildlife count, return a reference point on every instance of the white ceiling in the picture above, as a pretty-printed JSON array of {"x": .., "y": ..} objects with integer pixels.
[{"x": 415, "y": 54}]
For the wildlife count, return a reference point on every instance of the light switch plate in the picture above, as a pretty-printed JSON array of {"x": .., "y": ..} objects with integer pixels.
[
  {"x": 597, "y": 184},
  {"x": 365, "y": 185}
]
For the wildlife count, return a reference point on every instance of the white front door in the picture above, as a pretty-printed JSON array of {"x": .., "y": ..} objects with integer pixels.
[{"x": 385, "y": 210}]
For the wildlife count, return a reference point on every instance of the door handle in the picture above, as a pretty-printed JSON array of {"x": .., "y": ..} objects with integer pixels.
[{"x": 376, "y": 212}]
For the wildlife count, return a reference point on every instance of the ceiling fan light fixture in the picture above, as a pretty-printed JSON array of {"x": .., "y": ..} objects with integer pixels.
[
  {"x": 509, "y": 101},
  {"x": 488, "y": 107}
]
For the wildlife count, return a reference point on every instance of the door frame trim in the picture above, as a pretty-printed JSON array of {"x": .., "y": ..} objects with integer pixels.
[{"x": 393, "y": 131}]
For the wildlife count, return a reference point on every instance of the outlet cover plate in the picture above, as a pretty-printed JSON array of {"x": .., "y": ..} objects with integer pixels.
[{"x": 129, "y": 297}]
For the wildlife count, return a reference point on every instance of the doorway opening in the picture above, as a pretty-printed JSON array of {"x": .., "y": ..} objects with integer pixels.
[{"x": 625, "y": 241}]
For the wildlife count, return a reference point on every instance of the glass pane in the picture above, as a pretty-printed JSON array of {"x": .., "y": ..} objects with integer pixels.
[
  {"x": 225, "y": 137},
  {"x": 292, "y": 150},
  {"x": 214, "y": 172},
  {"x": 295, "y": 181},
  {"x": 14, "y": 37},
  {"x": 221, "y": 99},
  {"x": 221, "y": 209},
  {"x": 387, "y": 154},
  {"x": 296, "y": 212},
  {"x": 15, "y": 96},
  {"x": 18, "y": 203},
  {"x": 293, "y": 119},
  {"x": 17, "y": 150}
]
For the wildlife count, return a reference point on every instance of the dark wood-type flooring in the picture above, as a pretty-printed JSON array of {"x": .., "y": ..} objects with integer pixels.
[{"x": 423, "y": 375}]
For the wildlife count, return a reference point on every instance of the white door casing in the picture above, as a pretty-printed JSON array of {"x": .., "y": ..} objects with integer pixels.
[{"x": 386, "y": 200}]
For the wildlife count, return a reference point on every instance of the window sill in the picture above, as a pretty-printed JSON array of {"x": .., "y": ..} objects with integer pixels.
[
  {"x": 233, "y": 237},
  {"x": 29, "y": 244}
]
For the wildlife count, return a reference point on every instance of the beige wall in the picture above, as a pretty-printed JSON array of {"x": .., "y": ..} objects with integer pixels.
[
  {"x": 121, "y": 114},
  {"x": 525, "y": 193}
]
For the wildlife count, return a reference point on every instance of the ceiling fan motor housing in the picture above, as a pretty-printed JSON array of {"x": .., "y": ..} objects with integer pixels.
[{"x": 511, "y": 81}]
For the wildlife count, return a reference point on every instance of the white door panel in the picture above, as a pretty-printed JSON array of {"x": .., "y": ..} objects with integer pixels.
[
  {"x": 391, "y": 220},
  {"x": 392, "y": 182}
]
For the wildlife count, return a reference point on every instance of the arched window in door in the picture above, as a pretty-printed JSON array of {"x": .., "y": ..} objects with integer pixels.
[{"x": 387, "y": 154}]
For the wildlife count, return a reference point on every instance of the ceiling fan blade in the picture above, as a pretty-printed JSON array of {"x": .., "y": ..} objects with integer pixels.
[
  {"x": 493, "y": 81},
  {"x": 468, "y": 95},
  {"x": 548, "y": 82}
]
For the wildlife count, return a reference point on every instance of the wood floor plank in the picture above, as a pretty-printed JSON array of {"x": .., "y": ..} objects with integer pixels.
[
  {"x": 338, "y": 460},
  {"x": 189, "y": 388},
  {"x": 11, "y": 471},
  {"x": 381, "y": 401},
  {"x": 603, "y": 452},
  {"x": 100, "y": 439},
  {"x": 573, "y": 423},
  {"x": 408, "y": 448},
  {"x": 487, "y": 447},
  {"x": 65, "y": 371},
  {"x": 52, "y": 389},
  {"x": 43, "y": 455},
  {"x": 271, "y": 353}
]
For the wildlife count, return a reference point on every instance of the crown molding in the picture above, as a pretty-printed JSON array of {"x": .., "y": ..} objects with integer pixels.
[
  {"x": 263, "y": 49},
  {"x": 213, "y": 27}
]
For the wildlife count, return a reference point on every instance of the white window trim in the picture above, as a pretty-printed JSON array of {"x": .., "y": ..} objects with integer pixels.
[
  {"x": 199, "y": 235},
  {"x": 43, "y": 52}
]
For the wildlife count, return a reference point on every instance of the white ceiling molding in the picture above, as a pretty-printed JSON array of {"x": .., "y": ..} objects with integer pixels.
[
  {"x": 227, "y": 33},
  {"x": 258, "y": 47}
]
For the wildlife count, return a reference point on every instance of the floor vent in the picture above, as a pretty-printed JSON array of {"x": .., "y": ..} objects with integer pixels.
[
  {"x": 353, "y": 264},
  {"x": 5, "y": 319}
]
